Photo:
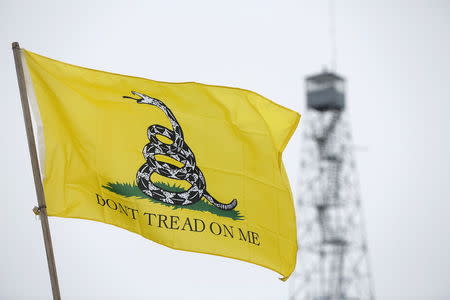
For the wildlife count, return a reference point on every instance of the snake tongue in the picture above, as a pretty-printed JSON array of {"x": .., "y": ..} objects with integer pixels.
[{"x": 139, "y": 100}]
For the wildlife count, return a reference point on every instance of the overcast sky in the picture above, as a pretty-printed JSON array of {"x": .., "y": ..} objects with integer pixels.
[{"x": 396, "y": 57}]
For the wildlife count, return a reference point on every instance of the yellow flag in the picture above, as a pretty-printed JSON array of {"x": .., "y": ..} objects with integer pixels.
[{"x": 190, "y": 166}]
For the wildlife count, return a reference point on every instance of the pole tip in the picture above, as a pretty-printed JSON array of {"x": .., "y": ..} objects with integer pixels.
[{"x": 15, "y": 45}]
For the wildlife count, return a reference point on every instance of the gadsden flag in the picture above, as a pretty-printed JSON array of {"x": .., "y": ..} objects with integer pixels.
[{"x": 190, "y": 166}]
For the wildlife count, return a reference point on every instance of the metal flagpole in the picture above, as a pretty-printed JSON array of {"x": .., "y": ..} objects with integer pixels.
[{"x": 41, "y": 209}]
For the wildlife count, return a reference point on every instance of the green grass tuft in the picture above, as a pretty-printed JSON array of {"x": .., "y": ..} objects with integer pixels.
[{"x": 132, "y": 190}]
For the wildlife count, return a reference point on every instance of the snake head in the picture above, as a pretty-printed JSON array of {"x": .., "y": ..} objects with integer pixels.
[{"x": 144, "y": 98}]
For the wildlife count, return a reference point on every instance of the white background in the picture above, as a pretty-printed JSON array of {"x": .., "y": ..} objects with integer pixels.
[{"x": 396, "y": 57}]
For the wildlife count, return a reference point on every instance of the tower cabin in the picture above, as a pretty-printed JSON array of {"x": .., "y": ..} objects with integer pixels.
[{"x": 325, "y": 91}]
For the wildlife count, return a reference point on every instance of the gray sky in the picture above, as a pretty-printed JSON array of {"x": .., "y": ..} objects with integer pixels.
[{"x": 395, "y": 55}]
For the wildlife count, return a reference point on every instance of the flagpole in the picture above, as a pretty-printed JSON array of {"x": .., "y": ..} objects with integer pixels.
[{"x": 41, "y": 209}]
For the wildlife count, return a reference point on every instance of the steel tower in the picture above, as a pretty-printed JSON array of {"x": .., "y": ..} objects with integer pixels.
[{"x": 333, "y": 260}]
